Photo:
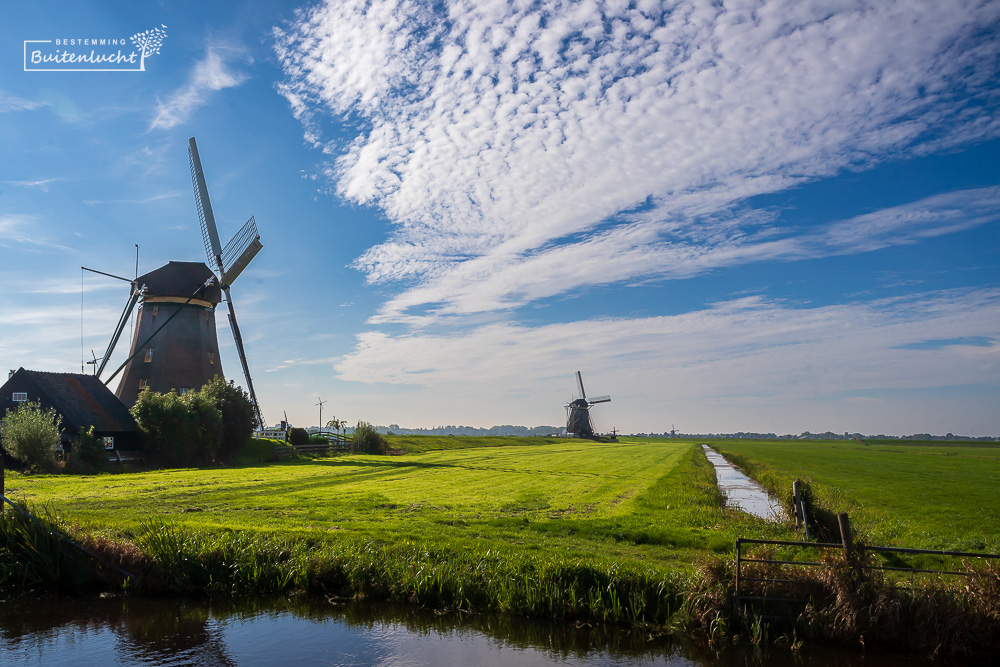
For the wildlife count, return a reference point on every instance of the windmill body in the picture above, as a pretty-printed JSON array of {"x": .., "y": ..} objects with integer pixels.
[
  {"x": 578, "y": 423},
  {"x": 185, "y": 354},
  {"x": 175, "y": 346}
]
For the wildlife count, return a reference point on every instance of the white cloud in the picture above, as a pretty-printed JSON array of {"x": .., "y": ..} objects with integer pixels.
[
  {"x": 9, "y": 102},
  {"x": 212, "y": 73},
  {"x": 640, "y": 250},
  {"x": 147, "y": 200},
  {"x": 502, "y": 138},
  {"x": 748, "y": 364},
  {"x": 23, "y": 230},
  {"x": 41, "y": 184}
]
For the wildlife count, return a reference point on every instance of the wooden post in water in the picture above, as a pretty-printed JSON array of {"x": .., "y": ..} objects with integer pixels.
[
  {"x": 796, "y": 503},
  {"x": 845, "y": 533}
]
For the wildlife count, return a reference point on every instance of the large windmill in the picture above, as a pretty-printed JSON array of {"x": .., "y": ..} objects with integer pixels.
[
  {"x": 175, "y": 345},
  {"x": 578, "y": 422}
]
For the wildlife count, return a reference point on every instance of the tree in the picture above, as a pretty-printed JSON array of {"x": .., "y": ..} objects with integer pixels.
[
  {"x": 236, "y": 410},
  {"x": 179, "y": 430},
  {"x": 31, "y": 434},
  {"x": 337, "y": 424},
  {"x": 368, "y": 440},
  {"x": 298, "y": 436}
]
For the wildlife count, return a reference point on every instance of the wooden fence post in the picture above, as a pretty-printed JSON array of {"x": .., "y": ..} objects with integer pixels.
[
  {"x": 796, "y": 502},
  {"x": 845, "y": 533}
]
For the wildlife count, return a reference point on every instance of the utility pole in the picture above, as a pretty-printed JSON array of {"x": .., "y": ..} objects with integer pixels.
[{"x": 320, "y": 404}]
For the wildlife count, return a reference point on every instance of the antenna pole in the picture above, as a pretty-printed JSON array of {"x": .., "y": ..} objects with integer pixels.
[{"x": 320, "y": 404}]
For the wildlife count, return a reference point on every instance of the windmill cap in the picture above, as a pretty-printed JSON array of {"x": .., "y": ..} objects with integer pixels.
[{"x": 181, "y": 279}]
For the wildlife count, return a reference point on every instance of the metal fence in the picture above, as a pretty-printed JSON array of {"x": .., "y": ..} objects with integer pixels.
[{"x": 746, "y": 593}]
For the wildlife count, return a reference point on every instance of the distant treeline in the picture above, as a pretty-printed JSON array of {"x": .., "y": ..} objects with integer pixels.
[
  {"x": 828, "y": 435},
  {"x": 506, "y": 429}
]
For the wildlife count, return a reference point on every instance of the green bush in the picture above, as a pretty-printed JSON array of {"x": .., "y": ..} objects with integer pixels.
[
  {"x": 179, "y": 430},
  {"x": 88, "y": 454},
  {"x": 238, "y": 419},
  {"x": 298, "y": 436},
  {"x": 368, "y": 440},
  {"x": 31, "y": 434}
]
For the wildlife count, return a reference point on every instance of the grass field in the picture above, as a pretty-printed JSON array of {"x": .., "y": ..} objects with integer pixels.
[
  {"x": 645, "y": 501},
  {"x": 926, "y": 495},
  {"x": 631, "y": 532}
]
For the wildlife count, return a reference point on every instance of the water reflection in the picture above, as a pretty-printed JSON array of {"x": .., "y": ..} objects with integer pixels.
[
  {"x": 300, "y": 631},
  {"x": 742, "y": 491},
  {"x": 59, "y": 632}
]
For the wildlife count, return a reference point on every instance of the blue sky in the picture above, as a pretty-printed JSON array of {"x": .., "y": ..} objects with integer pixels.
[{"x": 761, "y": 216}]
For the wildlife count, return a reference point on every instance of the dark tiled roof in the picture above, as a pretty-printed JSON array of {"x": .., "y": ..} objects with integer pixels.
[
  {"x": 83, "y": 400},
  {"x": 181, "y": 279}
]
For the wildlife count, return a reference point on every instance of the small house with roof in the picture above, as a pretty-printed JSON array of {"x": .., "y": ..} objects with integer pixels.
[{"x": 81, "y": 400}]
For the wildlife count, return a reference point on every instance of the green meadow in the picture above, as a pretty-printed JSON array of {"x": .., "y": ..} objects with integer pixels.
[
  {"x": 640, "y": 501},
  {"x": 897, "y": 493}
]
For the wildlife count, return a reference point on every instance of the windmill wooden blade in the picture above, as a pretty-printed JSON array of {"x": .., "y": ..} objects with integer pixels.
[
  {"x": 579, "y": 384},
  {"x": 599, "y": 399},
  {"x": 206, "y": 216},
  {"x": 243, "y": 360},
  {"x": 122, "y": 321}
]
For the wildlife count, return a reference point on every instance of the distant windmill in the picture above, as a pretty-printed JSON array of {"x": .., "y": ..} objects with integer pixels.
[
  {"x": 175, "y": 344},
  {"x": 578, "y": 422}
]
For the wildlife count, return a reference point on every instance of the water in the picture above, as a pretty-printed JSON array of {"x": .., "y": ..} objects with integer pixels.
[
  {"x": 57, "y": 632},
  {"x": 742, "y": 491},
  {"x": 72, "y": 632}
]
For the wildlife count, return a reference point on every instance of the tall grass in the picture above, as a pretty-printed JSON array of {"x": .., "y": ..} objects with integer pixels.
[
  {"x": 34, "y": 553},
  {"x": 845, "y": 603}
]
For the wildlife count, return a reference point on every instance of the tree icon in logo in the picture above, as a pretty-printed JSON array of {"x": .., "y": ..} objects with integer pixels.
[{"x": 148, "y": 42}]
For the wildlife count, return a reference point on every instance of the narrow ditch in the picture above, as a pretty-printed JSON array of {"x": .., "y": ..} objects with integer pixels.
[{"x": 741, "y": 491}]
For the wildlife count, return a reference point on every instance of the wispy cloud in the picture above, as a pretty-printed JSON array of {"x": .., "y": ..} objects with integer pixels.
[
  {"x": 641, "y": 250},
  {"x": 24, "y": 230},
  {"x": 504, "y": 139},
  {"x": 212, "y": 73},
  {"x": 9, "y": 102},
  {"x": 40, "y": 184},
  {"x": 147, "y": 200}
]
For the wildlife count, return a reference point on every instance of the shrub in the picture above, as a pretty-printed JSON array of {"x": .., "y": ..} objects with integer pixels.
[
  {"x": 298, "y": 436},
  {"x": 31, "y": 434},
  {"x": 368, "y": 440},
  {"x": 238, "y": 419},
  {"x": 179, "y": 430},
  {"x": 88, "y": 454}
]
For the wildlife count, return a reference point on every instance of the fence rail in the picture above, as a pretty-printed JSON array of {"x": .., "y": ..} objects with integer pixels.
[{"x": 848, "y": 545}]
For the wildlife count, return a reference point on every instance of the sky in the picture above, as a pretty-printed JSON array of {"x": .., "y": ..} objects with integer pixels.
[{"x": 769, "y": 216}]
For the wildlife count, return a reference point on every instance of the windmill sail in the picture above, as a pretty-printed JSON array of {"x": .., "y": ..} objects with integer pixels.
[
  {"x": 206, "y": 216},
  {"x": 238, "y": 253}
]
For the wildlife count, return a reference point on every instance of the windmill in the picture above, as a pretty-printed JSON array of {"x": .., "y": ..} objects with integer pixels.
[
  {"x": 175, "y": 345},
  {"x": 578, "y": 422}
]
